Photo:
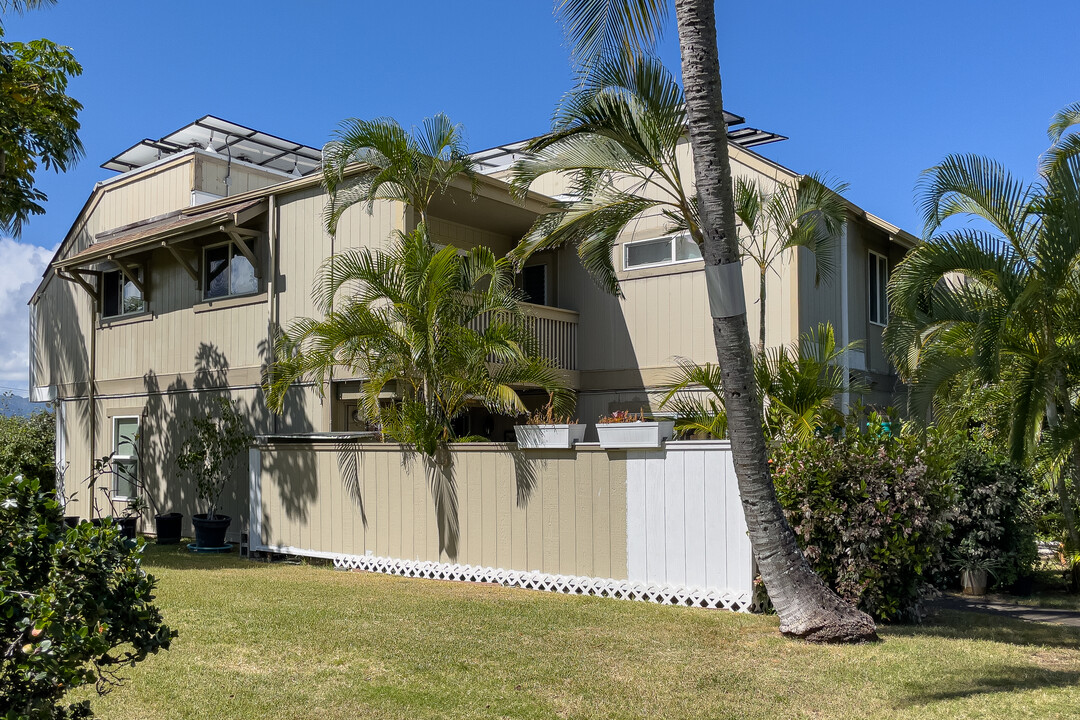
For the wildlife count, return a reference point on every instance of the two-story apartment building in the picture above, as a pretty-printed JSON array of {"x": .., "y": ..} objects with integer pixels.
[{"x": 166, "y": 291}]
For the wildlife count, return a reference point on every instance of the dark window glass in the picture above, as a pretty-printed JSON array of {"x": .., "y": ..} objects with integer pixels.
[
  {"x": 121, "y": 296},
  {"x": 534, "y": 284},
  {"x": 110, "y": 283},
  {"x": 216, "y": 280},
  {"x": 651, "y": 252}
]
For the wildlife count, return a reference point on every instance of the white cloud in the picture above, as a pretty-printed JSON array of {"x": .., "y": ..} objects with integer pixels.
[{"x": 21, "y": 266}]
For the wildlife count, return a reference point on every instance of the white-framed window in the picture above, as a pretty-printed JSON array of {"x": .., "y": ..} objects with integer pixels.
[
  {"x": 119, "y": 295},
  {"x": 667, "y": 250},
  {"x": 125, "y": 456},
  {"x": 877, "y": 284},
  {"x": 227, "y": 271}
]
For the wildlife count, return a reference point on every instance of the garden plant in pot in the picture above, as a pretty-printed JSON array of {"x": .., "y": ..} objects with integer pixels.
[
  {"x": 624, "y": 430},
  {"x": 208, "y": 457},
  {"x": 546, "y": 429}
]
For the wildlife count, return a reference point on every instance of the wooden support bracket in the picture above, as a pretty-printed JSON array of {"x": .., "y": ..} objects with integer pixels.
[
  {"x": 192, "y": 271},
  {"x": 130, "y": 273},
  {"x": 75, "y": 276}
]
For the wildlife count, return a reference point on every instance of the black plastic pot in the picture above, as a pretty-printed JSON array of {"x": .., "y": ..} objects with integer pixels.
[
  {"x": 168, "y": 528},
  {"x": 127, "y": 526},
  {"x": 72, "y": 521},
  {"x": 210, "y": 533}
]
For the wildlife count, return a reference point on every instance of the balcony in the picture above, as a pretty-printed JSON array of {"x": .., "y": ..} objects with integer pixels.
[{"x": 556, "y": 331}]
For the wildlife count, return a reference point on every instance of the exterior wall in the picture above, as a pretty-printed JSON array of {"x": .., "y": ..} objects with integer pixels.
[
  {"x": 629, "y": 346},
  {"x": 210, "y": 172},
  {"x": 550, "y": 511},
  {"x": 663, "y": 525}
]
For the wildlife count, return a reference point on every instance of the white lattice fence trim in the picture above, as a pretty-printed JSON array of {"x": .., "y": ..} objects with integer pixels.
[{"x": 566, "y": 584}]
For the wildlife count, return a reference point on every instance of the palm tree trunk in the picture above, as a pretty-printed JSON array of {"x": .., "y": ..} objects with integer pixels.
[
  {"x": 806, "y": 607},
  {"x": 761, "y": 312}
]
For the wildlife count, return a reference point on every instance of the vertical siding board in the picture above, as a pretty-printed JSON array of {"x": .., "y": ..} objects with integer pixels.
[
  {"x": 694, "y": 498},
  {"x": 674, "y": 518},
  {"x": 715, "y": 521},
  {"x": 637, "y": 542},
  {"x": 408, "y": 523},
  {"x": 600, "y": 475},
  {"x": 393, "y": 496},
  {"x": 583, "y": 482},
  {"x": 739, "y": 551},
  {"x": 617, "y": 514},
  {"x": 550, "y": 558},
  {"x": 567, "y": 518},
  {"x": 655, "y": 518},
  {"x": 488, "y": 511},
  {"x": 504, "y": 538}
]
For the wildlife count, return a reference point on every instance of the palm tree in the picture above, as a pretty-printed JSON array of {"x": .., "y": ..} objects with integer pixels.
[
  {"x": 607, "y": 28},
  {"x": 616, "y": 139},
  {"x": 445, "y": 331},
  {"x": 799, "y": 387},
  {"x": 809, "y": 214},
  {"x": 371, "y": 160},
  {"x": 994, "y": 304}
]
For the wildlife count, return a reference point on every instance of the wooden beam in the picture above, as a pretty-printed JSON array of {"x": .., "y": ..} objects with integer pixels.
[
  {"x": 238, "y": 240},
  {"x": 193, "y": 272},
  {"x": 131, "y": 275},
  {"x": 75, "y": 277}
]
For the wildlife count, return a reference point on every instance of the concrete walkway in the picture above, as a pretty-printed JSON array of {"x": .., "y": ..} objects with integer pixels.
[{"x": 1050, "y": 616}]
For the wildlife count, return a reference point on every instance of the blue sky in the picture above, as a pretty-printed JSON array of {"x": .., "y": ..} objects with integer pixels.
[{"x": 870, "y": 93}]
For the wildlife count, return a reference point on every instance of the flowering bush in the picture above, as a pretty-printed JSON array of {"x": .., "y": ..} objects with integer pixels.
[
  {"x": 75, "y": 605},
  {"x": 869, "y": 516}
]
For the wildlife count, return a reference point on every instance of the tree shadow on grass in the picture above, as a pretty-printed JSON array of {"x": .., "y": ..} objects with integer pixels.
[
  {"x": 972, "y": 625},
  {"x": 1003, "y": 679}
]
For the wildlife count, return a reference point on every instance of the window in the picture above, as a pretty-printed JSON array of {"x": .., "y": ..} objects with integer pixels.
[
  {"x": 121, "y": 296},
  {"x": 125, "y": 457},
  {"x": 877, "y": 283},
  {"x": 228, "y": 271},
  {"x": 534, "y": 284},
  {"x": 661, "y": 251}
]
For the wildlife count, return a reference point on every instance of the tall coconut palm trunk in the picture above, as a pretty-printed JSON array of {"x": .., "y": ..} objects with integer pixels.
[{"x": 806, "y": 607}]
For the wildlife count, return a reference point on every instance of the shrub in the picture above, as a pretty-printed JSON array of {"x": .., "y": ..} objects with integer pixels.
[
  {"x": 990, "y": 518},
  {"x": 75, "y": 605},
  {"x": 28, "y": 447},
  {"x": 870, "y": 517}
]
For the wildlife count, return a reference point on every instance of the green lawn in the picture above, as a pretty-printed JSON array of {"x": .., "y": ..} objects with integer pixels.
[{"x": 298, "y": 641}]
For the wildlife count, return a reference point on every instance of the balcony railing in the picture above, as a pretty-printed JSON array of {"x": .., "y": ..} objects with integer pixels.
[{"x": 556, "y": 331}]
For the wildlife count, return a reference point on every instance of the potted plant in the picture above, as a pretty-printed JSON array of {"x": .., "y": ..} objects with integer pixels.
[
  {"x": 544, "y": 429},
  {"x": 974, "y": 571},
  {"x": 625, "y": 430},
  {"x": 208, "y": 456}
]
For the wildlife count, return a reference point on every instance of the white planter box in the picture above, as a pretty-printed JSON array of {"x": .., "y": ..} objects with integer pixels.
[
  {"x": 540, "y": 437},
  {"x": 615, "y": 436}
]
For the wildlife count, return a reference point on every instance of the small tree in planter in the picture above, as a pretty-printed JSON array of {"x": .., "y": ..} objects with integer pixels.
[{"x": 208, "y": 456}]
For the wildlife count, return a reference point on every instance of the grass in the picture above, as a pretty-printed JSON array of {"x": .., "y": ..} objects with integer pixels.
[
  {"x": 302, "y": 641},
  {"x": 1050, "y": 591}
]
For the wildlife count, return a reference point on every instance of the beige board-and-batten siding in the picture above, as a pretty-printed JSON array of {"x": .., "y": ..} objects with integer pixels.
[{"x": 663, "y": 525}]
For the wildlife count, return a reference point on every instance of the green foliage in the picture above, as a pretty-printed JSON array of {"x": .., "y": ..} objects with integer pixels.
[
  {"x": 209, "y": 452},
  {"x": 38, "y": 123},
  {"x": 75, "y": 605},
  {"x": 384, "y": 162},
  {"x": 990, "y": 518},
  {"x": 809, "y": 214},
  {"x": 614, "y": 139},
  {"x": 869, "y": 515},
  {"x": 986, "y": 310},
  {"x": 800, "y": 385},
  {"x": 444, "y": 331},
  {"x": 28, "y": 447}
]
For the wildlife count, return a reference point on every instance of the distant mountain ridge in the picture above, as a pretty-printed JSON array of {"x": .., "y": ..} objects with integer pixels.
[{"x": 11, "y": 404}]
